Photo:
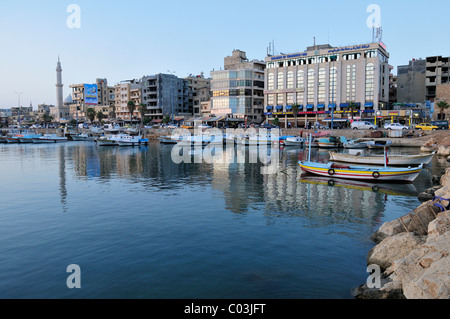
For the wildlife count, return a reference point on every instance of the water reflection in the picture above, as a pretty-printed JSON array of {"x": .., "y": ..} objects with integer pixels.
[{"x": 287, "y": 193}]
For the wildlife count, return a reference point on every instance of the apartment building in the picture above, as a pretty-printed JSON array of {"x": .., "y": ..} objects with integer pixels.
[
  {"x": 199, "y": 90},
  {"x": 238, "y": 90},
  {"x": 437, "y": 73},
  {"x": 165, "y": 95},
  {"x": 126, "y": 91},
  {"x": 411, "y": 82},
  {"x": 325, "y": 79}
]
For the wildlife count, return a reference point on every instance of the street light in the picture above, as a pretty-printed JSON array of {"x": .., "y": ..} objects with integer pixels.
[{"x": 20, "y": 107}]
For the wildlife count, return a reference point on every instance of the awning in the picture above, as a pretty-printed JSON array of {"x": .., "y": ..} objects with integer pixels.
[
  {"x": 344, "y": 104},
  {"x": 156, "y": 121},
  {"x": 310, "y": 106},
  {"x": 289, "y": 107},
  {"x": 279, "y": 107},
  {"x": 269, "y": 107},
  {"x": 178, "y": 118},
  {"x": 368, "y": 104},
  {"x": 216, "y": 119},
  {"x": 320, "y": 106},
  {"x": 332, "y": 106}
]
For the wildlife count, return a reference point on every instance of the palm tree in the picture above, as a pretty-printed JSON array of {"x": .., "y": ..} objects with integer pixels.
[
  {"x": 90, "y": 113},
  {"x": 442, "y": 105},
  {"x": 131, "y": 107},
  {"x": 352, "y": 107},
  {"x": 276, "y": 121},
  {"x": 142, "y": 110},
  {"x": 295, "y": 110},
  {"x": 166, "y": 119},
  {"x": 100, "y": 116}
]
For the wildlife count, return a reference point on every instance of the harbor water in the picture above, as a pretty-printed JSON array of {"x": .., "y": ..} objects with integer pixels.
[{"x": 141, "y": 226}]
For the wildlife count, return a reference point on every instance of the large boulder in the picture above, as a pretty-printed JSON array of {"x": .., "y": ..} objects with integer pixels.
[
  {"x": 425, "y": 271},
  {"x": 440, "y": 225},
  {"x": 393, "y": 248}
]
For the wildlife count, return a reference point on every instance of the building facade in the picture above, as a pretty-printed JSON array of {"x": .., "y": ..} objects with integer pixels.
[
  {"x": 165, "y": 95},
  {"x": 411, "y": 82},
  {"x": 199, "y": 90},
  {"x": 238, "y": 90},
  {"x": 323, "y": 79},
  {"x": 437, "y": 72},
  {"x": 124, "y": 92}
]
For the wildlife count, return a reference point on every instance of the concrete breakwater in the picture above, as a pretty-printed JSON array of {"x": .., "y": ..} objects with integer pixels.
[{"x": 413, "y": 252}]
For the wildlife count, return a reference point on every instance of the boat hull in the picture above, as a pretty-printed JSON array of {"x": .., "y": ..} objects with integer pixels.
[
  {"x": 48, "y": 140},
  {"x": 361, "y": 173},
  {"x": 12, "y": 140},
  {"x": 380, "y": 160},
  {"x": 105, "y": 142},
  {"x": 25, "y": 140}
]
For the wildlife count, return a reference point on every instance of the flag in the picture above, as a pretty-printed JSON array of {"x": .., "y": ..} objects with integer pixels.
[{"x": 386, "y": 157}]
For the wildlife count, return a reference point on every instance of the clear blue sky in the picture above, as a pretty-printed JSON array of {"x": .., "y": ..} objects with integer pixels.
[{"x": 120, "y": 40}]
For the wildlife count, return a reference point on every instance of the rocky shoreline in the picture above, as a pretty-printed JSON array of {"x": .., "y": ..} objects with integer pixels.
[{"x": 413, "y": 252}]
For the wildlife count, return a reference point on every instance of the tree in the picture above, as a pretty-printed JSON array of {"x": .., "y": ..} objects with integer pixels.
[
  {"x": 90, "y": 113},
  {"x": 47, "y": 118},
  {"x": 131, "y": 107},
  {"x": 166, "y": 119},
  {"x": 142, "y": 110},
  {"x": 295, "y": 110},
  {"x": 352, "y": 107},
  {"x": 100, "y": 116},
  {"x": 276, "y": 121},
  {"x": 442, "y": 105}
]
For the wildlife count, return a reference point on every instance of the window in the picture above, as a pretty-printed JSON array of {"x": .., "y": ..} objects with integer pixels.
[
  {"x": 300, "y": 79},
  {"x": 333, "y": 83},
  {"x": 370, "y": 81},
  {"x": 289, "y": 98},
  {"x": 270, "y": 81},
  {"x": 271, "y": 99},
  {"x": 311, "y": 85},
  {"x": 351, "y": 83},
  {"x": 280, "y": 99},
  {"x": 321, "y": 86},
  {"x": 280, "y": 83},
  {"x": 290, "y": 80}
]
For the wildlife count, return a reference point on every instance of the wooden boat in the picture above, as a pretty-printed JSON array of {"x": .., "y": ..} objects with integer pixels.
[
  {"x": 355, "y": 144},
  {"x": 402, "y": 160},
  {"x": 378, "y": 144},
  {"x": 50, "y": 138},
  {"x": 367, "y": 173},
  {"x": 331, "y": 169},
  {"x": 330, "y": 142},
  {"x": 83, "y": 137}
]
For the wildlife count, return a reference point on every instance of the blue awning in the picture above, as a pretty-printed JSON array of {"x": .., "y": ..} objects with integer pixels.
[
  {"x": 310, "y": 106},
  {"x": 269, "y": 107},
  {"x": 344, "y": 104},
  {"x": 368, "y": 104},
  {"x": 332, "y": 106},
  {"x": 320, "y": 106},
  {"x": 289, "y": 107},
  {"x": 369, "y": 111},
  {"x": 279, "y": 107}
]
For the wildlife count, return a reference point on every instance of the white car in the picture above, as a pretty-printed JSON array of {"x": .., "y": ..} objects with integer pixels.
[
  {"x": 202, "y": 126},
  {"x": 395, "y": 126},
  {"x": 363, "y": 125}
]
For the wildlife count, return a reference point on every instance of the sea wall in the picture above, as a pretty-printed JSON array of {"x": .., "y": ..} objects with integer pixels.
[{"x": 413, "y": 252}]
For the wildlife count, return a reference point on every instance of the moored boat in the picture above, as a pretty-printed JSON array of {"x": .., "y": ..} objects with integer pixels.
[
  {"x": 129, "y": 140},
  {"x": 50, "y": 138},
  {"x": 28, "y": 138},
  {"x": 83, "y": 137},
  {"x": 293, "y": 141},
  {"x": 330, "y": 142},
  {"x": 378, "y": 144},
  {"x": 397, "y": 160},
  {"x": 355, "y": 144},
  {"x": 332, "y": 169}
]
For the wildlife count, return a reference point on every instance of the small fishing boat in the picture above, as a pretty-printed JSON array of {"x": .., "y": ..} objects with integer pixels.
[
  {"x": 293, "y": 141},
  {"x": 50, "y": 138},
  {"x": 109, "y": 140},
  {"x": 355, "y": 144},
  {"x": 331, "y": 169},
  {"x": 2, "y": 139},
  {"x": 28, "y": 138},
  {"x": 330, "y": 142},
  {"x": 129, "y": 140},
  {"x": 83, "y": 137},
  {"x": 402, "y": 160},
  {"x": 367, "y": 173},
  {"x": 378, "y": 144},
  {"x": 12, "y": 139},
  {"x": 167, "y": 140}
]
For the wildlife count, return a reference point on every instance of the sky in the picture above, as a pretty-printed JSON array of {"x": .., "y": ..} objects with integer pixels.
[{"x": 122, "y": 40}]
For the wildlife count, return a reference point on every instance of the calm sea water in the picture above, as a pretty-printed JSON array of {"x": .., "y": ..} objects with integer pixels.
[{"x": 140, "y": 226}]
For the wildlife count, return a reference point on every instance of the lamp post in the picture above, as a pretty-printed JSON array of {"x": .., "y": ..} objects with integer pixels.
[{"x": 20, "y": 107}]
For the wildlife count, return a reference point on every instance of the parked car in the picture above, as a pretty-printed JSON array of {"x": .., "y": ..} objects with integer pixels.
[
  {"x": 269, "y": 126},
  {"x": 426, "y": 127},
  {"x": 442, "y": 125},
  {"x": 203, "y": 126},
  {"x": 395, "y": 126},
  {"x": 187, "y": 126},
  {"x": 363, "y": 125},
  {"x": 336, "y": 126}
]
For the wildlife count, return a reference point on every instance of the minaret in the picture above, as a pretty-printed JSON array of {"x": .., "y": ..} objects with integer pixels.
[{"x": 59, "y": 86}]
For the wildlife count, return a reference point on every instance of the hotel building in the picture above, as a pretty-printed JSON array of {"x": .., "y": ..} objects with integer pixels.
[{"x": 325, "y": 78}]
